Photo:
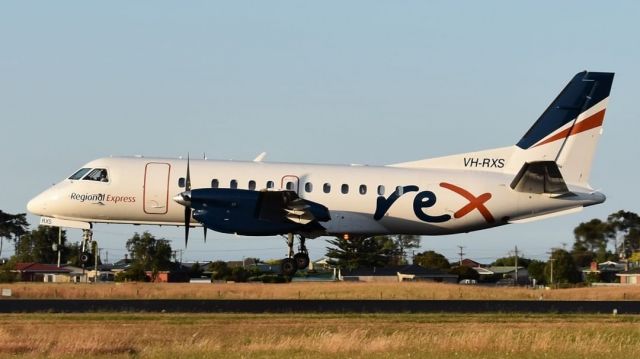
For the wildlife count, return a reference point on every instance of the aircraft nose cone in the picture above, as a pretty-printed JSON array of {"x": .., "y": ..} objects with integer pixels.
[
  {"x": 36, "y": 206},
  {"x": 183, "y": 198}
]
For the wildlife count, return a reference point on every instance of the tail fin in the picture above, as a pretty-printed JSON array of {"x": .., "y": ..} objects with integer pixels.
[
  {"x": 564, "y": 138},
  {"x": 568, "y": 130}
]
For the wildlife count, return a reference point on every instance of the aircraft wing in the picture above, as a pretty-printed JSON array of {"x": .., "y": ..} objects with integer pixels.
[{"x": 256, "y": 212}]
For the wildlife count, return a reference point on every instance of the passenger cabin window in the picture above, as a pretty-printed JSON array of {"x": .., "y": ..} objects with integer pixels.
[
  {"x": 269, "y": 184},
  {"x": 79, "y": 173},
  {"x": 363, "y": 189},
  {"x": 97, "y": 174},
  {"x": 289, "y": 186},
  {"x": 233, "y": 184},
  {"x": 326, "y": 188},
  {"x": 308, "y": 187},
  {"x": 252, "y": 185},
  {"x": 380, "y": 190},
  {"x": 215, "y": 183},
  {"x": 345, "y": 188},
  {"x": 181, "y": 182}
]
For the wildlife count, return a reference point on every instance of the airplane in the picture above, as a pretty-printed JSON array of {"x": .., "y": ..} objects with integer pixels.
[{"x": 545, "y": 174}]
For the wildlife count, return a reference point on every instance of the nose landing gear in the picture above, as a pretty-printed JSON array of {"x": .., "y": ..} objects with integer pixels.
[{"x": 294, "y": 262}]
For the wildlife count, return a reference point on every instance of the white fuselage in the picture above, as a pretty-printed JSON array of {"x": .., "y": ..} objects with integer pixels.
[{"x": 435, "y": 201}]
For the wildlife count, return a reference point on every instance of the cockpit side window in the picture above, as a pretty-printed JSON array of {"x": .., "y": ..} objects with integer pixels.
[
  {"x": 97, "y": 174},
  {"x": 79, "y": 173}
]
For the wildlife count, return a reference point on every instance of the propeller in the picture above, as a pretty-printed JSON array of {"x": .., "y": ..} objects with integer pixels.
[
  {"x": 187, "y": 207},
  {"x": 184, "y": 199}
]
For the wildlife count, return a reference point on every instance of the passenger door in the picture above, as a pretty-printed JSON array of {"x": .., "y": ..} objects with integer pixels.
[{"x": 156, "y": 188}]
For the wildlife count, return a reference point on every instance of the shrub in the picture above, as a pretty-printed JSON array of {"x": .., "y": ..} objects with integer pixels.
[
  {"x": 7, "y": 277},
  {"x": 238, "y": 274},
  {"x": 219, "y": 270},
  {"x": 132, "y": 274}
]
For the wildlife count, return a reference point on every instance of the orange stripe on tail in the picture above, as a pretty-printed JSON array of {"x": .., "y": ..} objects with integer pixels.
[{"x": 590, "y": 122}]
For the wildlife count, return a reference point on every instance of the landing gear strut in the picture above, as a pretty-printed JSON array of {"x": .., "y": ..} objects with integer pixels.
[
  {"x": 85, "y": 256},
  {"x": 294, "y": 262},
  {"x": 87, "y": 238}
]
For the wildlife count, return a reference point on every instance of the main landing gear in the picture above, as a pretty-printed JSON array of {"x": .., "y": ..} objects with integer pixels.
[
  {"x": 294, "y": 262},
  {"x": 87, "y": 238}
]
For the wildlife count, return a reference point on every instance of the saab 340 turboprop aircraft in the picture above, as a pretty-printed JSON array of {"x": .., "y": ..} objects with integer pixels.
[{"x": 544, "y": 174}]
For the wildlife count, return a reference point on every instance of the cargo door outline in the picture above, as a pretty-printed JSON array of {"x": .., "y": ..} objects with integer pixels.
[{"x": 156, "y": 188}]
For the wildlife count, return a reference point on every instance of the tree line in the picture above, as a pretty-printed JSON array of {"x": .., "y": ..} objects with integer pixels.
[{"x": 615, "y": 238}]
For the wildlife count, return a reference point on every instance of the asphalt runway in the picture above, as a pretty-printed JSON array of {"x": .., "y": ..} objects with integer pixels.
[{"x": 315, "y": 306}]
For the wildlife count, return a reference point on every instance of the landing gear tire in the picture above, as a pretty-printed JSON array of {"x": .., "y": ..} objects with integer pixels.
[
  {"x": 302, "y": 260},
  {"x": 288, "y": 267}
]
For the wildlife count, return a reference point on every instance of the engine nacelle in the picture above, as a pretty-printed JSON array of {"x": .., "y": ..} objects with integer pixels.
[{"x": 256, "y": 213}]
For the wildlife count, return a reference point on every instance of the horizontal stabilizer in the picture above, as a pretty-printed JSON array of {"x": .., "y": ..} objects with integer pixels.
[
  {"x": 539, "y": 177},
  {"x": 539, "y": 216}
]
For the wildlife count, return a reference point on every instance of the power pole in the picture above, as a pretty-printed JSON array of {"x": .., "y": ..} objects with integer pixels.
[
  {"x": 95, "y": 261},
  {"x": 461, "y": 254},
  {"x": 552, "y": 260},
  {"x": 516, "y": 271}
]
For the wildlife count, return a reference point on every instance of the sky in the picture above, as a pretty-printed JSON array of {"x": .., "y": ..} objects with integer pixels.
[{"x": 318, "y": 82}]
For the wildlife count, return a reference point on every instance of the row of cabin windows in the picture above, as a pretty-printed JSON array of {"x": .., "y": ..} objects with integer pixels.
[{"x": 308, "y": 187}]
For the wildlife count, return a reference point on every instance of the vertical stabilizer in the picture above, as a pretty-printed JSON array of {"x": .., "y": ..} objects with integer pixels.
[{"x": 568, "y": 130}]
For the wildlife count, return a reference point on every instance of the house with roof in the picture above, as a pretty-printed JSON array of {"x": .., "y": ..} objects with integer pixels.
[
  {"x": 40, "y": 272},
  {"x": 470, "y": 263},
  {"x": 498, "y": 273},
  {"x": 121, "y": 265},
  {"x": 411, "y": 272},
  {"x": 248, "y": 263},
  {"x": 631, "y": 276},
  {"x": 606, "y": 271},
  {"x": 75, "y": 275},
  {"x": 168, "y": 276},
  {"x": 322, "y": 264},
  {"x": 244, "y": 263}
]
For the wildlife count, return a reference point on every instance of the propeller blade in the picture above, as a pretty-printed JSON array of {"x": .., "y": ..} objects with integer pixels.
[
  {"x": 188, "y": 179},
  {"x": 187, "y": 209},
  {"x": 205, "y": 233},
  {"x": 187, "y": 217}
]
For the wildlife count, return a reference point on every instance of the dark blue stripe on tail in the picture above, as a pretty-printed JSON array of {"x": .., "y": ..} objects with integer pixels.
[{"x": 583, "y": 91}]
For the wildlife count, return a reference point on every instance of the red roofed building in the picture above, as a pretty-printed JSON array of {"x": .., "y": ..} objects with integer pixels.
[
  {"x": 38, "y": 272},
  {"x": 470, "y": 263}
]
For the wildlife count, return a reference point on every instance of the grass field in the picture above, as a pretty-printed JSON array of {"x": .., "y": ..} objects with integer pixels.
[
  {"x": 311, "y": 290},
  {"x": 147, "y": 335},
  {"x": 304, "y": 336}
]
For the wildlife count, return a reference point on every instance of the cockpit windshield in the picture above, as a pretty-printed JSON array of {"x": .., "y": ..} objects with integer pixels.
[
  {"x": 97, "y": 174},
  {"x": 79, "y": 174},
  {"x": 91, "y": 174}
]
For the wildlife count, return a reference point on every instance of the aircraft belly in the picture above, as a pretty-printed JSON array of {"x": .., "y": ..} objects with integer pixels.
[{"x": 353, "y": 222}]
